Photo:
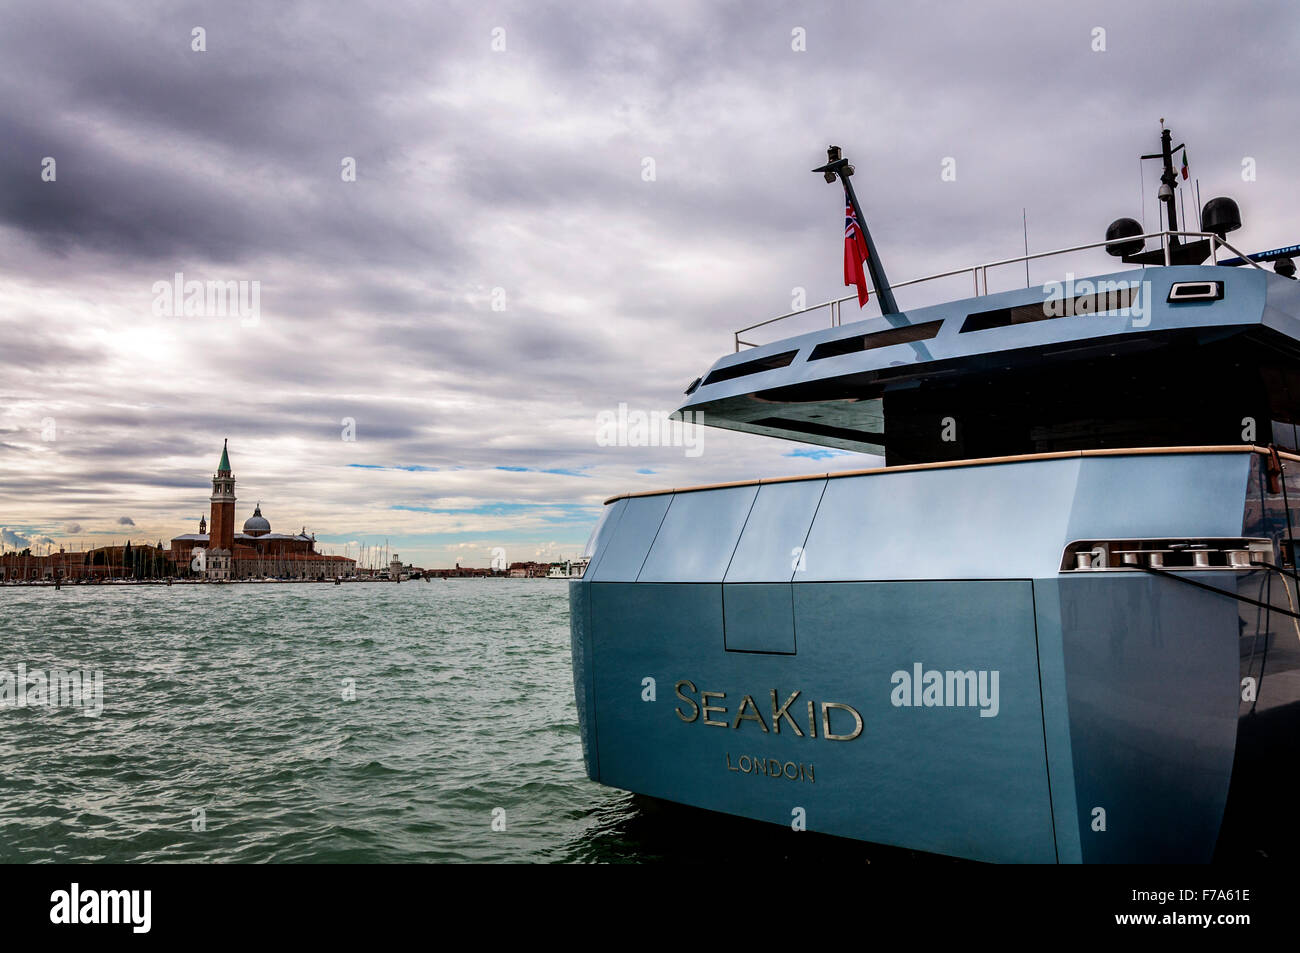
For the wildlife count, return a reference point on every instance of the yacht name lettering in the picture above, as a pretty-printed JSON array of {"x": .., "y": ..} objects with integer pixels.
[
  {"x": 798, "y": 717},
  {"x": 922, "y": 688}
]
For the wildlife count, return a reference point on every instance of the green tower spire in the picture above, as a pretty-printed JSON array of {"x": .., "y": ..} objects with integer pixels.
[{"x": 224, "y": 465}]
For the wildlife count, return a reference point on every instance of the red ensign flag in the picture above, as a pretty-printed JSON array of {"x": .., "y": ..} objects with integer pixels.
[{"x": 855, "y": 252}]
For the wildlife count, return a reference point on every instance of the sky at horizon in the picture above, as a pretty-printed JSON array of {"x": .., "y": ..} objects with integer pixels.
[{"x": 477, "y": 228}]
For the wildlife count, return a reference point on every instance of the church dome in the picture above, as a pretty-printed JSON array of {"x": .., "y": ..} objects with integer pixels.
[{"x": 257, "y": 525}]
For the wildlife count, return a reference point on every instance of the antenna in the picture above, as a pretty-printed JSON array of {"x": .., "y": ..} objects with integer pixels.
[
  {"x": 1142, "y": 180},
  {"x": 1173, "y": 250},
  {"x": 1024, "y": 219}
]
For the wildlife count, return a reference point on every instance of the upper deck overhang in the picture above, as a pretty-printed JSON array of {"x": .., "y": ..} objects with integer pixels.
[{"x": 827, "y": 387}]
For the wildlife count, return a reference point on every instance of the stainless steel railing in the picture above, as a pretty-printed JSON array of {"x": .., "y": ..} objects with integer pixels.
[{"x": 980, "y": 275}]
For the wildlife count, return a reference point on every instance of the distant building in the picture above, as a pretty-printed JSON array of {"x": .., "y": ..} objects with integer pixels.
[
  {"x": 106, "y": 562},
  {"x": 461, "y": 572},
  {"x": 223, "y": 554},
  {"x": 529, "y": 570}
]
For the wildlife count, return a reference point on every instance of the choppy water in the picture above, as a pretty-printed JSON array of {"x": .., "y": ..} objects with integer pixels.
[{"x": 229, "y": 700}]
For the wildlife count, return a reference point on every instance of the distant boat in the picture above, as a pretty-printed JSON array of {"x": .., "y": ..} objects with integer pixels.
[{"x": 572, "y": 569}]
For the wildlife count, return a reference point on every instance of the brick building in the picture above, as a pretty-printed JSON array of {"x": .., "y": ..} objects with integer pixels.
[
  {"x": 220, "y": 553},
  {"x": 105, "y": 562}
]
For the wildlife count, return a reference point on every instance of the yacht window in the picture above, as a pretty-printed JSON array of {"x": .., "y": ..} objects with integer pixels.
[
  {"x": 866, "y": 342},
  {"x": 757, "y": 366}
]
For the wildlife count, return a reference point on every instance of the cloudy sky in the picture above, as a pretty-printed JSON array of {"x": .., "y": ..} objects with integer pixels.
[{"x": 555, "y": 210}]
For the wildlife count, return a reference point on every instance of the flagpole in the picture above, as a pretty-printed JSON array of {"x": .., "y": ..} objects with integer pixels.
[{"x": 840, "y": 166}]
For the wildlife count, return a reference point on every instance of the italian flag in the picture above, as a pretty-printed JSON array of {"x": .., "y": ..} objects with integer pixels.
[{"x": 1184, "y": 163}]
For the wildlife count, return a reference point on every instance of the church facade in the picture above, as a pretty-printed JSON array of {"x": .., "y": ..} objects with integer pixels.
[{"x": 220, "y": 554}]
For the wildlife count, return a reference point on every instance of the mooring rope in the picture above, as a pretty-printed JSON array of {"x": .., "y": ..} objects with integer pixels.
[{"x": 1223, "y": 592}]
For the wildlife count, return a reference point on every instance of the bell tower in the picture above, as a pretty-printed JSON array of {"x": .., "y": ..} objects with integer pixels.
[{"x": 222, "y": 524}]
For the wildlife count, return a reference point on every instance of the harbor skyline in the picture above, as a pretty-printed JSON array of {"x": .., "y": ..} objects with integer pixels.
[{"x": 258, "y": 549}]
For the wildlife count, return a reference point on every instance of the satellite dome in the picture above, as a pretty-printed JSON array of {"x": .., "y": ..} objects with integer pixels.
[
  {"x": 1122, "y": 237},
  {"x": 1220, "y": 216},
  {"x": 257, "y": 525}
]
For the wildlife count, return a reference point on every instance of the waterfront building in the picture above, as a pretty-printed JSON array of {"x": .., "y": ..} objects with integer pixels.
[
  {"x": 216, "y": 552},
  {"x": 219, "y": 553},
  {"x": 104, "y": 562}
]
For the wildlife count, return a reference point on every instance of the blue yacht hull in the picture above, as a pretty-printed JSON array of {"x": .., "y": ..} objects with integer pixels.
[{"x": 909, "y": 657}]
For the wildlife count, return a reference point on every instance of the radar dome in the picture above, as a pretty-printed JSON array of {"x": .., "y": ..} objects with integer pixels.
[
  {"x": 1220, "y": 216},
  {"x": 1124, "y": 228}
]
